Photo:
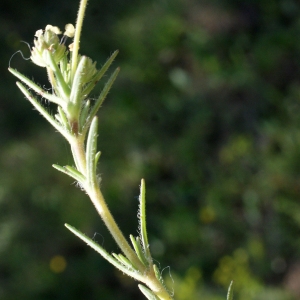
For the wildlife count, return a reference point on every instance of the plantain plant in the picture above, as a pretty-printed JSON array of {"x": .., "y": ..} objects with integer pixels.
[{"x": 72, "y": 78}]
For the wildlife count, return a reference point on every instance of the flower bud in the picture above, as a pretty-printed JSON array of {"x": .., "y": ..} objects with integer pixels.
[
  {"x": 47, "y": 41},
  {"x": 70, "y": 30},
  {"x": 90, "y": 70}
]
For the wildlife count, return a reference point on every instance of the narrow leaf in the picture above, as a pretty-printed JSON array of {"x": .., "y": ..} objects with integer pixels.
[
  {"x": 75, "y": 173},
  {"x": 43, "y": 112},
  {"x": 230, "y": 291},
  {"x": 72, "y": 172},
  {"x": 138, "y": 249},
  {"x": 84, "y": 114},
  {"x": 97, "y": 156},
  {"x": 135, "y": 274},
  {"x": 142, "y": 216},
  {"x": 91, "y": 147},
  {"x": 89, "y": 87},
  {"x": 157, "y": 274},
  {"x": 148, "y": 293},
  {"x": 101, "y": 98},
  {"x": 64, "y": 89},
  {"x": 63, "y": 64},
  {"x": 122, "y": 259},
  {"x": 75, "y": 95},
  {"x": 52, "y": 98},
  {"x": 63, "y": 118}
]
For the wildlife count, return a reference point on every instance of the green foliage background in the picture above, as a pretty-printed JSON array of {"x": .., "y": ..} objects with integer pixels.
[{"x": 206, "y": 109}]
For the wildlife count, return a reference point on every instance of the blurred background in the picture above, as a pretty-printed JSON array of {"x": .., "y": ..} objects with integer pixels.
[{"x": 206, "y": 109}]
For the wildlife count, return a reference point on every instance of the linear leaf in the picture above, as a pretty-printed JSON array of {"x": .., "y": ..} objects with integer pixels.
[
  {"x": 63, "y": 118},
  {"x": 122, "y": 259},
  {"x": 230, "y": 291},
  {"x": 91, "y": 147},
  {"x": 148, "y": 293},
  {"x": 75, "y": 95},
  {"x": 142, "y": 219},
  {"x": 84, "y": 114},
  {"x": 97, "y": 156},
  {"x": 52, "y": 98},
  {"x": 99, "y": 74},
  {"x": 72, "y": 172},
  {"x": 43, "y": 112},
  {"x": 135, "y": 274},
  {"x": 157, "y": 274},
  {"x": 64, "y": 89},
  {"x": 101, "y": 97},
  {"x": 138, "y": 249}
]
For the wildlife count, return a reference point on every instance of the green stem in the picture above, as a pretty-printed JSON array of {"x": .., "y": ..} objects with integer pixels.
[
  {"x": 156, "y": 286},
  {"x": 80, "y": 160},
  {"x": 93, "y": 190},
  {"x": 101, "y": 207},
  {"x": 149, "y": 277},
  {"x": 78, "y": 28},
  {"x": 100, "y": 204},
  {"x": 77, "y": 148}
]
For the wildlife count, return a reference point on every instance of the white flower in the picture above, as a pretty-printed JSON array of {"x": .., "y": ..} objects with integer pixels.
[
  {"x": 47, "y": 40},
  {"x": 70, "y": 30}
]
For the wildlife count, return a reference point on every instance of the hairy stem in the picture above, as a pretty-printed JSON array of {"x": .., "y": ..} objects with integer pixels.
[
  {"x": 78, "y": 28},
  {"x": 99, "y": 202},
  {"x": 96, "y": 197},
  {"x": 77, "y": 148}
]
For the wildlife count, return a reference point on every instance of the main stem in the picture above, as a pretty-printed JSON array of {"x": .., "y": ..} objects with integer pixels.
[
  {"x": 77, "y": 146},
  {"x": 97, "y": 198},
  {"x": 94, "y": 192},
  {"x": 76, "y": 43},
  {"x": 102, "y": 208}
]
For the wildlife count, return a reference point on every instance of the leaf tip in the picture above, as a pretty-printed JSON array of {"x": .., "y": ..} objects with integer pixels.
[{"x": 230, "y": 291}]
